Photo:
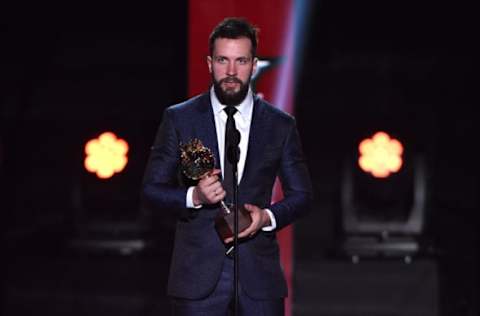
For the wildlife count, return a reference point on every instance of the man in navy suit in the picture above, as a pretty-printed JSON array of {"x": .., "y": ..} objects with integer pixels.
[{"x": 201, "y": 275}]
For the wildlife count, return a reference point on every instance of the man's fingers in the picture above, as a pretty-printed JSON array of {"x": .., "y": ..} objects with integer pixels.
[
  {"x": 211, "y": 176},
  {"x": 218, "y": 197},
  {"x": 212, "y": 193},
  {"x": 211, "y": 188},
  {"x": 215, "y": 172},
  {"x": 251, "y": 208},
  {"x": 216, "y": 187},
  {"x": 241, "y": 235},
  {"x": 249, "y": 231},
  {"x": 207, "y": 181},
  {"x": 215, "y": 192}
]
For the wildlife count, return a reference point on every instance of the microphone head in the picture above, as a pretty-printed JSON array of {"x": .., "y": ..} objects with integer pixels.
[
  {"x": 233, "y": 138},
  {"x": 232, "y": 150},
  {"x": 233, "y": 154},
  {"x": 236, "y": 138}
]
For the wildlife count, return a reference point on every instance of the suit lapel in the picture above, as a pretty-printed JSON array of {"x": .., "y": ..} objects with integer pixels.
[
  {"x": 205, "y": 128},
  {"x": 256, "y": 140}
]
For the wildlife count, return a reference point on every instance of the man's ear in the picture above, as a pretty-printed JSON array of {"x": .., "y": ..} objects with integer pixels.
[
  {"x": 254, "y": 69},
  {"x": 209, "y": 63}
]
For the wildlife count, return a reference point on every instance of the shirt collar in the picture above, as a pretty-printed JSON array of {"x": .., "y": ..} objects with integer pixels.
[{"x": 245, "y": 108}]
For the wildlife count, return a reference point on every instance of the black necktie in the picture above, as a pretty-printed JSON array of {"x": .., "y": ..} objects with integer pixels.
[{"x": 230, "y": 132}]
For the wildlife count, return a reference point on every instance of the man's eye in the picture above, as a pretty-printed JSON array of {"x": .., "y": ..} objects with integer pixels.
[
  {"x": 243, "y": 61},
  {"x": 221, "y": 59}
]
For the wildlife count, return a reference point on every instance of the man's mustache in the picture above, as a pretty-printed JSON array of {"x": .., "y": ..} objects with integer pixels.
[{"x": 231, "y": 80}]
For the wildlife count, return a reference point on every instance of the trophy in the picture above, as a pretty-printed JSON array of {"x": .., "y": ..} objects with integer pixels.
[{"x": 197, "y": 160}]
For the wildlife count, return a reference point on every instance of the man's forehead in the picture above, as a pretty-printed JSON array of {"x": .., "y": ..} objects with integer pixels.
[{"x": 237, "y": 44}]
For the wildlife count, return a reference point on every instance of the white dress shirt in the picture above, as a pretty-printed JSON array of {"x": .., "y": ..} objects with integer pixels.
[{"x": 243, "y": 120}]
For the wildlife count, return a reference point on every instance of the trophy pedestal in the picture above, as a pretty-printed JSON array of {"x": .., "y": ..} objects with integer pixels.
[{"x": 224, "y": 222}]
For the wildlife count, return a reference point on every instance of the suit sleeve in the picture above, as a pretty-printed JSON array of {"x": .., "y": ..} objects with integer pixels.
[
  {"x": 160, "y": 183},
  {"x": 295, "y": 181}
]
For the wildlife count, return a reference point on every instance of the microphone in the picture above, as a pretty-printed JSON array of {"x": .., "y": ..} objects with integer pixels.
[{"x": 233, "y": 152}]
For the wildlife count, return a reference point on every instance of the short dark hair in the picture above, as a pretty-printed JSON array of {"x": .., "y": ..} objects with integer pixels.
[{"x": 234, "y": 28}]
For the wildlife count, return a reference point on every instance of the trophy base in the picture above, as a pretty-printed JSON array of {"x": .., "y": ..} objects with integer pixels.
[{"x": 224, "y": 223}]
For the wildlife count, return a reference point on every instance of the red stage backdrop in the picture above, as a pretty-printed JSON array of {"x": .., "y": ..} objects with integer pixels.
[{"x": 275, "y": 19}]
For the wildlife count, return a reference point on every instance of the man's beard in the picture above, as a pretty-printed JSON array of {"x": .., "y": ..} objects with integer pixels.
[{"x": 229, "y": 97}]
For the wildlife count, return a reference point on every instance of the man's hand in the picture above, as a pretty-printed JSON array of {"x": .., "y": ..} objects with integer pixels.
[
  {"x": 209, "y": 189},
  {"x": 260, "y": 219}
]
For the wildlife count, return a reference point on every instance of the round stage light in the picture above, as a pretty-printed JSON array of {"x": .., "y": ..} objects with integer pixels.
[
  {"x": 380, "y": 155},
  {"x": 106, "y": 155}
]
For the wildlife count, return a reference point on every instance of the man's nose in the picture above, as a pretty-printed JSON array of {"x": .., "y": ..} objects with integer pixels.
[{"x": 231, "y": 69}]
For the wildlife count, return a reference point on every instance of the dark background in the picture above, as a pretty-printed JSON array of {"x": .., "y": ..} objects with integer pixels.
[{"x": 69, "y": 74}]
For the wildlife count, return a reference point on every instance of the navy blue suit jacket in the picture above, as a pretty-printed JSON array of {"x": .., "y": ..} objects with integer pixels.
[{"x": 273, "y": 150}]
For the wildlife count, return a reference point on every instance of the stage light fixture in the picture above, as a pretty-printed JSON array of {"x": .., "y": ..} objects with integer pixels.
[
  {"x": 107, "y": 217},
  {"x": 106, "y": 155},
  {"x": 383, "y": 198}
]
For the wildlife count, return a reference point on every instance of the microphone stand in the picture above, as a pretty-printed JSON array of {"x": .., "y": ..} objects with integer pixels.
[
  {"x": 235, "y": 239},
  {"x": 233, "y": 155}
]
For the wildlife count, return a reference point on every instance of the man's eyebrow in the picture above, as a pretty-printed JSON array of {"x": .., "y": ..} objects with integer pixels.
[{"x": 236, "y": 58}]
